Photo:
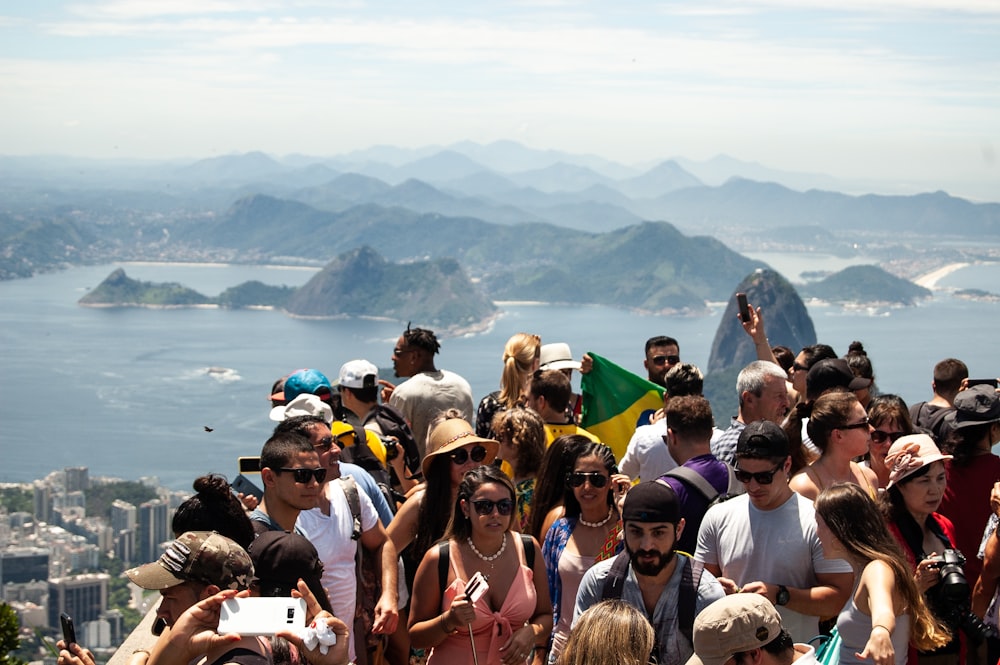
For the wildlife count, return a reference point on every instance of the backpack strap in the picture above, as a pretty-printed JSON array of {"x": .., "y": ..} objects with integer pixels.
[
  {"x": 735, "y": 486},
  {"x": 687, "y": 598},
  {"x": 614, "y": 583},
  {"x": 444, "y": 559},
  {"x": 354, "y": 501},
  {"x": 688, "y": 475},
  {"x": 528, "y": 545}
]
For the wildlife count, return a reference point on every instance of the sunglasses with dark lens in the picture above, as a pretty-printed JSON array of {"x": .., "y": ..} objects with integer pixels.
[
  {"x": 577, "y": 478},
  {"x": 798, "y": 367},
  {"x": 859, "y": 425},
  {"x": 761, "y": 477},
  {"x": 485, "y": 506},
  {"x": 303, "y": 475},
  {"x": 670, "y": 360},
  {"x": 461, "y": 456},
  {"x": 878, "y": 436},
  {"x": 325, "y": 444}
]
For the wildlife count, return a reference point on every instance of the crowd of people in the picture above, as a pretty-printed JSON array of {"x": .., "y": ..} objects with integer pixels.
[{"x": 421, "y": 529}]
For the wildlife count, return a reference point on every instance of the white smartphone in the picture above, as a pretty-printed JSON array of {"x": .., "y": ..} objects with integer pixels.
[
  {"x": 261, "y": 616},
  {"x": 476, "y": 588}
]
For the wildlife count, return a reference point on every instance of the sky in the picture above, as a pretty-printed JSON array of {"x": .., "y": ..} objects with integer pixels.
[{"x": 901, "y": 90}]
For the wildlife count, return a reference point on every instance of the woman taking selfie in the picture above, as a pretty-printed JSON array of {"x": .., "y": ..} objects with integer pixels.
[
  {"x": 886, "y": 612},
  {"x": 504, "y": 624}
]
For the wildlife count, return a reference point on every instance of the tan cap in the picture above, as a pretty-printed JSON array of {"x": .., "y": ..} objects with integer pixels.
[{"x": 734, "y": 624}]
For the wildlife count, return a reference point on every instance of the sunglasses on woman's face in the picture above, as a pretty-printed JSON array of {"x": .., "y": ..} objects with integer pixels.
[
  {"x": 461, "y": 456},
  {"x": 485, "y": 507},
  {"x": 578, "y": 478},
  {"x": 878, "y": 436}
]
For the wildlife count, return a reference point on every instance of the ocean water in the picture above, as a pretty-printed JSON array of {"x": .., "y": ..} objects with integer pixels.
[{"x": 130, "y": 392}]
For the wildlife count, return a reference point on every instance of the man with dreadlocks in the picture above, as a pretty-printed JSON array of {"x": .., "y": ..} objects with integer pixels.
[{"x": 427, "y": 391}]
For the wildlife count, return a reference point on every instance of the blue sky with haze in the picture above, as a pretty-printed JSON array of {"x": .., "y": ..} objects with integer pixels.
[{"x": 902, "y": 90}]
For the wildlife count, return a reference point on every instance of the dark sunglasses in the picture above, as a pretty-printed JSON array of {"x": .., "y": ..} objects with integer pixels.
[
  {"x": 461, "y": 456},
  {"x": 878, "y": 436},
  {"x": 577, "y": 478},
  {"x": 303, "y": 475},
  {"x": 670, "y": 360},
  {"x": 485, "y": 506},
  {"x": 762, "y": 477},
  {"x": 859, "y": 425},
  {"x": 326, "y": 443},
  {"x": 799, "y": 368}
]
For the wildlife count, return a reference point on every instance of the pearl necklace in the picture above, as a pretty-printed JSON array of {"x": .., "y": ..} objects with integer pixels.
[
  {"x": 611, "y": 512},
  {"x": 492, "y": 557}
]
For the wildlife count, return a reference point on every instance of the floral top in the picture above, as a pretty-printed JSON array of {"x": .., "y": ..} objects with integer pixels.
[{"x": 525, "y": 490}]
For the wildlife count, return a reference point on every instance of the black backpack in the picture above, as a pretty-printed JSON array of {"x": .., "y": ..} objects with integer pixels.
[
  {"x": 687, "y": 595},
  {"x": 692, "y": 478},
  {"x": 394, "y": 425}
]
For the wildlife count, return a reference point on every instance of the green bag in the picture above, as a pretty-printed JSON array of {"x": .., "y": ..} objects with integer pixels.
[{"x": 827, "y": 648}]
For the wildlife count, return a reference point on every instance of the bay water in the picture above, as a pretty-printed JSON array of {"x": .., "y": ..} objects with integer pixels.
[{"x": 132, "y": 392}]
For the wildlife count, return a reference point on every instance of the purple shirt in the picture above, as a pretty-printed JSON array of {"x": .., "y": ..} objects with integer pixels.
[{"x": 693, "y": 504}]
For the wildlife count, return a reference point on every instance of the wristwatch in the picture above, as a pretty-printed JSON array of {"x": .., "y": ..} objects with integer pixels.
[{"x": 783, "y": 596}]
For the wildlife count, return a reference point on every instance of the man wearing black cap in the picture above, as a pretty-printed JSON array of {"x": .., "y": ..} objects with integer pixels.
[
  {"x": 650, "y": 574},
  {"x": 765, "y": 541}
]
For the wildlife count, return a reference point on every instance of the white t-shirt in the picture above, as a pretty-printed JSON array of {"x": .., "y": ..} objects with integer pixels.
[
  {"x": 331, "y": 536},
  {"x": 777, "y": 546}
]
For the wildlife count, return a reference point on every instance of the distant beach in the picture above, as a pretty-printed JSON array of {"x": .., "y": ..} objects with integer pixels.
[{"x": 930, "y": 280}]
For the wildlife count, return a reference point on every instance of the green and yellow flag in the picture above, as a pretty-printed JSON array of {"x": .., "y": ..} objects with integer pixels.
[{"x": 613, "y": 399}]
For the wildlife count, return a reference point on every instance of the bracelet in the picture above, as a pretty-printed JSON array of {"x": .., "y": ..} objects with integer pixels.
[
  {"x": 140, "y": 651},
  {"x": 885, "y": 628}
]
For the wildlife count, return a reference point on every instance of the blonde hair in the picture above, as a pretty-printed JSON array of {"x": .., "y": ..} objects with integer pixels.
[
  {"x": 519, "y": 356},
  {"x": 612, "y": 632}
]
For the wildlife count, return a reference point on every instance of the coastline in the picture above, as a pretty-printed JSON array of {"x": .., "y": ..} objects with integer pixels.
[{"x": 930, "y": 280}]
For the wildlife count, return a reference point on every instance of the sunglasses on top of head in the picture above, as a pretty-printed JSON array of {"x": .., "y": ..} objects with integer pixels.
[
  {"x": 302, "y": 476},
  {"x": 461, "y": 456},
  {"x": 578, "y": 478},
  {"x": 485, "y": 506}
]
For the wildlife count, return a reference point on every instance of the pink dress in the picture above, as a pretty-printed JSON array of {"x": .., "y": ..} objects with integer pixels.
[{"x": 491, "y": 629}]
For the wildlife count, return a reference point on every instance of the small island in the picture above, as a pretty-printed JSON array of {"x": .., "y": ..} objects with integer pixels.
[
  {"x": 359, "y": 283},
  {"x": 866, "y": 285}
]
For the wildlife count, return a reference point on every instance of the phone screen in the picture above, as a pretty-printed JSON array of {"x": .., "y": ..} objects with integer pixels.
[{"x": 744, "y": 307}]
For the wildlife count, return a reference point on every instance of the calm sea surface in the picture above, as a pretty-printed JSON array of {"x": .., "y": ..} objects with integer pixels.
[{"x": 128, "y": 393}]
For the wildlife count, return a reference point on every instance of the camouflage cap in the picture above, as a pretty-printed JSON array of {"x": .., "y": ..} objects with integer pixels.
[{"x": 197, "y": 556}]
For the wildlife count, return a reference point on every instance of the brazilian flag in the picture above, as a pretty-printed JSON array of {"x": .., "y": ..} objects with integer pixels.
[{"x": 613, "y": 399}]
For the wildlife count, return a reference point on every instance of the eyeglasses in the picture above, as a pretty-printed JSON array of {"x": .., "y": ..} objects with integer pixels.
[
  {"x": 859, "y": 425},
  {"x": 461, "y": 456},
  {"x": 302, "y": 476},
  {"x": 485, "y": 506},
  {"x": 670, "y": 360},
  {"x": 761, "y": 477},
  {"x": 878, "y": 436},
  {"x": 326, "y": 443},
  {"x": 578, "y": 478},
  {"x": 798, "y": 367}
]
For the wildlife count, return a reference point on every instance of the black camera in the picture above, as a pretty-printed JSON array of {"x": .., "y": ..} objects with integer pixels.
[
  {"x": 391, "y": 444},
  {"x": 953, "y": 597}
]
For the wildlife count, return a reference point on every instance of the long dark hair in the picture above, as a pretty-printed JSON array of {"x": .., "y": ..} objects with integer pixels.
[
  {"x": 591, "y": 449},
  {"x": 460, "y": 527},
  {"x": 556, "y": 463}
]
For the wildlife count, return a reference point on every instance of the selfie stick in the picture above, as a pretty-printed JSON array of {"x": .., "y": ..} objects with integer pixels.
[{"x": 472, "y": 641}]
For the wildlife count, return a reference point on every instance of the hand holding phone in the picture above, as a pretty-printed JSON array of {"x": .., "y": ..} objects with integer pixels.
[
  {"x": 261, "y": 616},
  {"x": 746, "y": 316},
  {"x": 68, "y": 630}
]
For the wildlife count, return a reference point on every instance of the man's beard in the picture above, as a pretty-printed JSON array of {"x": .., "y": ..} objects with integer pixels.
[{"x": 650, "y": 569}]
